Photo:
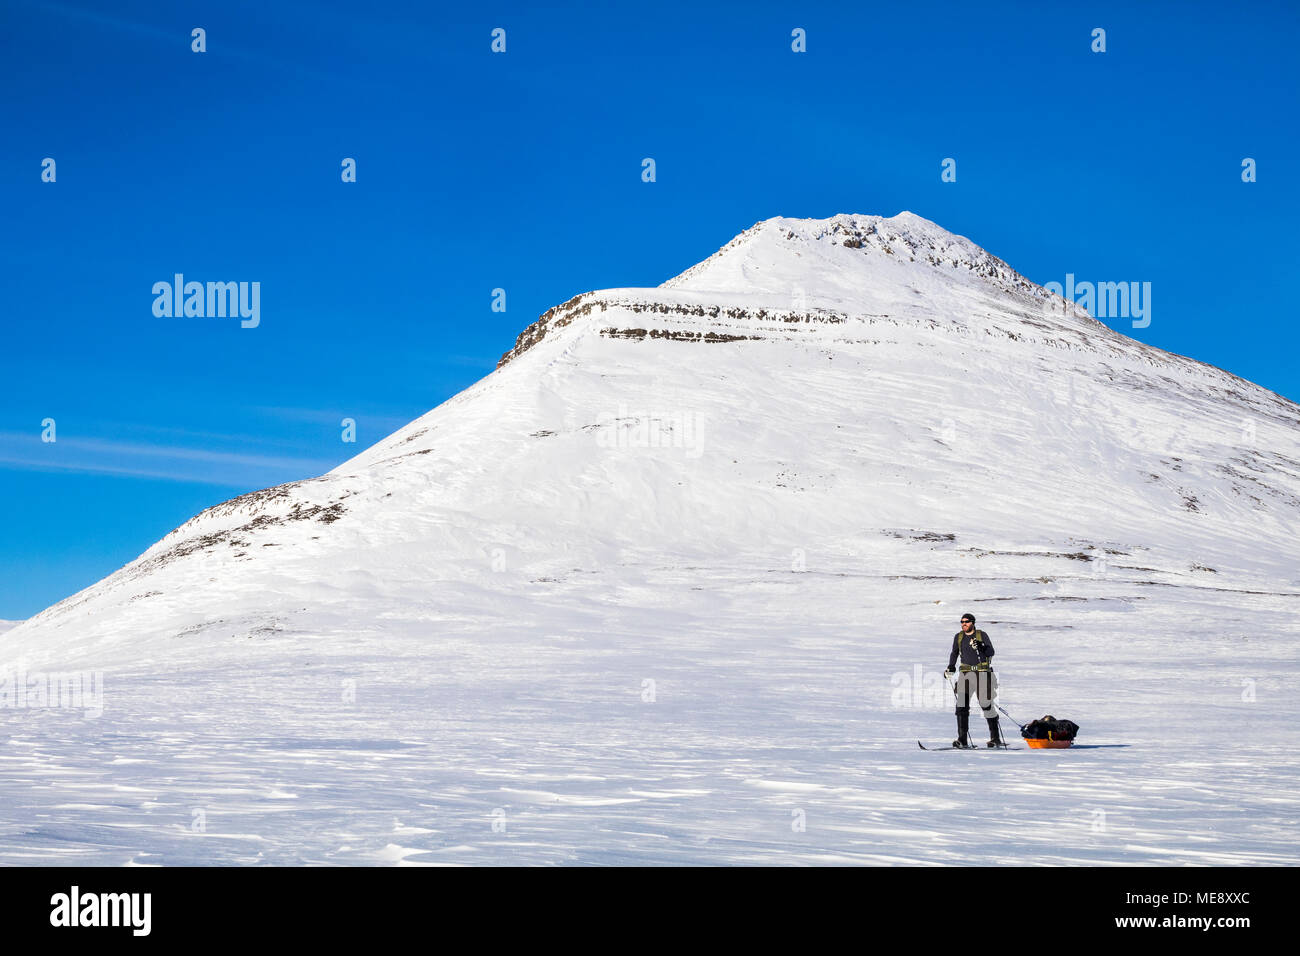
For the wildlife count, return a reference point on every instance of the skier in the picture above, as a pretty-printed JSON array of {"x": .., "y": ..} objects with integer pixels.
[{"x": 975, "y": 680}]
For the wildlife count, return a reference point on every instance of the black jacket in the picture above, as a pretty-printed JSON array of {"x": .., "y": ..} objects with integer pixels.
[{"x": 973, "y": 652}]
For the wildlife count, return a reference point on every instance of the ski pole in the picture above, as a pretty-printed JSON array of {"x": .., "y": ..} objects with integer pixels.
[
  {"x": 952, "y": 687},
  {"x": 1005, "y": 713},
  {"x": 1002, "y": 741},
  {"x": 1018, "y": 724},
  {"x": 1009, "y": 717}
]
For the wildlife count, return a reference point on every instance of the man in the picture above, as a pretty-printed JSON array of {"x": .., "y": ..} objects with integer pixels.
[{"x": 975, "y": 680}]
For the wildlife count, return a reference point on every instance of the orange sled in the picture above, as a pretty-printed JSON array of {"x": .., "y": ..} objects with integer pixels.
[{"x": 1049, "y": 733}]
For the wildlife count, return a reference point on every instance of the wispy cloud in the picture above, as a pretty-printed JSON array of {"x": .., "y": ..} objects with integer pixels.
[
  {"x": 378, "y": 425},
  {"x": 169, "y": 462}
]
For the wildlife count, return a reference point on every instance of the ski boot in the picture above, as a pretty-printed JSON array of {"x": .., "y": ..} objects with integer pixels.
[
  {"x": 995, "y": 735},
  {"x": 963, "y": 731}
]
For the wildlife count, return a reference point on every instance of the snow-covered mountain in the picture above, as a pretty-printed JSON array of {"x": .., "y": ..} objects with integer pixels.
[
  {"x": 704, "y": 528},
  {"x": 823, "y": 385}
]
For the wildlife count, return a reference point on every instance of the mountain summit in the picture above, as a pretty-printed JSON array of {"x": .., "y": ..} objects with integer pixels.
[
  {"x": 822, "y": 271},
  {"x": 864, "y": 393},
  {"x": 778, "y": 253}
]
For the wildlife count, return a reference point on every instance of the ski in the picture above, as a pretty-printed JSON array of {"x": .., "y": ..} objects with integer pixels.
[{"x": 951, "y": 747}]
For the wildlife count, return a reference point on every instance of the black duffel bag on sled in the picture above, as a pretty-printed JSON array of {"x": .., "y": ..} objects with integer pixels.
[{"x": 1049, "y": 731}]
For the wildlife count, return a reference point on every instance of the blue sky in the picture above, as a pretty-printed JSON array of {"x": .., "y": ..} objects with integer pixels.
[{"x": 522, "y": 171}]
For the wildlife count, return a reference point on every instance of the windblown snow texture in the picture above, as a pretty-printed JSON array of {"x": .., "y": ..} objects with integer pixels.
[{"x": 675, "y": 584}]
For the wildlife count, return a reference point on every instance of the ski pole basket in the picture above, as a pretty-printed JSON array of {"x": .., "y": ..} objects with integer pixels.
[{"x": 1049, "y": 732}]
